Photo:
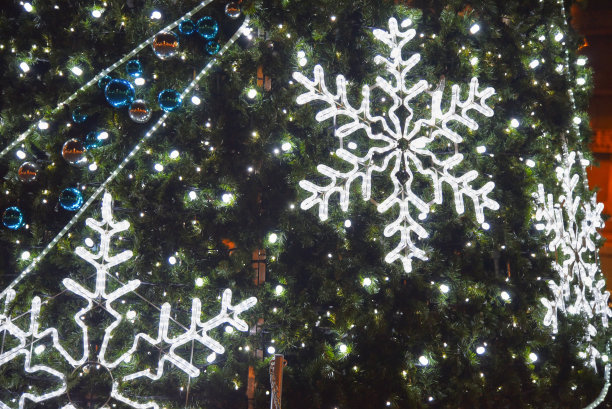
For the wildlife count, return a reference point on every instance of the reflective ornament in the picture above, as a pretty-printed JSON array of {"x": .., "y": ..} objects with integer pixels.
[
  {"x": 78, "y": 116},
  {"x": 95, "y": 139},
  {"x": 212, "y": 47},
  {"x": 133, "y": 68},
  {"x": 12, "y": 218},
  {"x": 208, "y": 27},
  {"x": 103, "y": 82},
  {"x": 166, "y": 45},
  {"x": 71, "y": 199},
  {"x": 119, "y": 93},
  {"x": 28, "y": 172},
  {"x": 187, "y": 27},
  {"x": 140, "y": 111},
  {"x": 232, "y": 10},
  {"x": 169, "y": 100},
  {"x": 73, "y": 152}
]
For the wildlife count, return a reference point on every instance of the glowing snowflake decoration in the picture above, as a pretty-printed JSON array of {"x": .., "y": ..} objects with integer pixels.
[
  {"x": 196, "y": 332},
  {"x": 399, "y": 144},
  {"x": 572, "y": 223}
]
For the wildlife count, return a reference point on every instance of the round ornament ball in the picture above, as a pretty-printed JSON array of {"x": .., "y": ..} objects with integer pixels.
[
  {"x": 140, "y": 112},
  {"x": 165, "y": 45},
  {"x": 71, "y": 199},
  {"x": 103, "y": 82},
  {"x": 232, "y": 10},
  {"x": 187, "y": 27},
  {"x": 207, "y": 27},
  {"x": 95, "y": 139},
  {"x": 212, "y": 47},
  {"x": 12, "y": 218},
  {"x": 169, "y": 100},
  {"x": 119, "y": 93},
  {"x": 73, "y": 152},
  {"x": 133, "y": 68},
  {"x": 28, "y": 172},
  {"x": 78, "y": 115}
]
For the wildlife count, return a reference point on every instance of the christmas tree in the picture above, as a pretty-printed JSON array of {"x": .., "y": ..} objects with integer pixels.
[{"x": 390, "y": 194}]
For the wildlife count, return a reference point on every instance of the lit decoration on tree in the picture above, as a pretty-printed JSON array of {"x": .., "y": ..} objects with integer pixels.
[
  {"x": 572, "y": 223},
  {"x": 400, "y": 144},
  {"x": 103, "y": 261}
]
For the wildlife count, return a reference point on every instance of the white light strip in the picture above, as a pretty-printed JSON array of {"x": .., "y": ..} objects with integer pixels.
[
  {"x": 102, "y": 73},
  {"x": 122, "y": 165}
]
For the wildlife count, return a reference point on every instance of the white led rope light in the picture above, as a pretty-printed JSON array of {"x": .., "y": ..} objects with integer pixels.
[
  {"x": 103, "y": 73},
  {"x": 398, "y": 128},
  {"x": 103, "y": 262},
  {"x": 120, "y": 167}
]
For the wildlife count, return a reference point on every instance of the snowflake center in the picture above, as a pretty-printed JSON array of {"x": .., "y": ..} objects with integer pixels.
[
  {"x": 403, "y": 144},
  {"x": 89, "y": 386}
]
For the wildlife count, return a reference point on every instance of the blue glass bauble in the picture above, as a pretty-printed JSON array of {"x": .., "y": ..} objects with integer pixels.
[
  {"x": 103, "y": 82},
  {"x": 207, "y": 27},
  {"x": 169, "y": 100},
  {"x": 187, "y": 27},
  {"x": 71, "y": 199},
  {"x": 133, "y": 68},
  {"x": 119, "y": 93},
  {"x": 95, "y": 139},
  {"x": 78, "y": 116},
  {"x": 212, "y": 47},
  {"x": 12, "y": 218},
  {"x": 165, "y": 45},
  {"x": 232, "y": 9}
]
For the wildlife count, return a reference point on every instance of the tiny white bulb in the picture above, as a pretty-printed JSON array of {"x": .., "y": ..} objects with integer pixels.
[
  {"x": 444, "y": 288},
  {"x": 158, "y": 167},
  {"x": 139, "y": 81},
  {"x": 302, "y": 61},
  {"x": 343, "y": 348},
  {"x": 347, "y": 223},
  {"x": 77, "y": 71},
  {"x": 199, "y": 282},
  {"x": 480, "y": 350},
  {"x": 423, "y": 360},
  {"x": 102, "y": 136},
  {"x": 193, "y": 195},
  {"x": 580, "y": 81},
  {"x": 28, "y": 7},
  {"x": 93, "y": 166},
  {"x": 279, "y": 289},
  {"x": 481, "y": 149},
  {"x": 485, "y": 226},
  {"x": 229, "y": 329},
  {"x": 271, "y": 350},
  {"x": 367, "y": 282},
  {"x": 252, "y": 93},
  {"x": 514, "y": 123},
  {"x": 333, "y": 18},
  {"x": 24, "y": 66},
  {"x": 559, "y": 37},
  {"x": 604, "y": 358},
  {"x": 227, "y": 197},
  {"x": 131, "y": 314},
  {"x": 196, "y": 100},
  {"x": 474, "y": 60},
  {"x": 534, "y": 63},
  {"x": 474, "y": 29},
  {"x": 301, "y": 54},
  {"x": 89, "y": 242},
  {"x": 42, "y": 125},
  {"x": 505, "y": 296},
  {"x": 97, "y": 13},
  {"x": 272, "y": 238},
  {"x": 174, "y": 154},
  {"x": 581, "y": 61},
  {"x": 25, "y": 255},
  {"x": 533, "y": 357},
  {"x": 286, "y": 147},
  {"x": 352, "y": 145},
  {"x": 211, "y": 358},
  {"x": 20, "y": 154},
  {"x": 156, "y": 15},
  {"x": 530, "y": 163},
  {"x": 577, "y": 120},
  {"x": 172, "y": 260},
  {"x": 39, "y": 349}
]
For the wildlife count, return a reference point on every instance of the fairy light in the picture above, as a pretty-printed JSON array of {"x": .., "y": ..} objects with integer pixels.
[
  {"x": 444, "y": 289},
  {"x": 139, "y": 81},
  {"x": 480, "y": 350},
  {"x": 156, "y": 15},
  {"x": 514, "y": 123},
  {"x": 196, "y": 100},
  {"x": 96, "y": 13},
  {"x": 20, "y": 154},
  {"x": 24, "y": 66},
  {"x": 279, "y": 290},
  {"x": 423, "y": 360},
  {"x": 534, "y": 64},
  {"x": 505, "y": 296},
  {"x": 474, "y": 29},
  {"x": 174, "y": 154},
  {"x": 533, "y": 357},
  {"x": 252, "y": 93},
  {"x": 77, "y": 71},
  {"x": 28, "y": 7},
  {"x": 272, "y": 238},
  {"x": 43, "y": 125},
  {"x": 158, "y": 167}
]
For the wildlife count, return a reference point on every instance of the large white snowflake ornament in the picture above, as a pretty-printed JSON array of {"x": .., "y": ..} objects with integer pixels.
[
  {"x": 31, "y": 339},
  {"x": 399, "y": 144},
  {"x": 572, "y": 223}
]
